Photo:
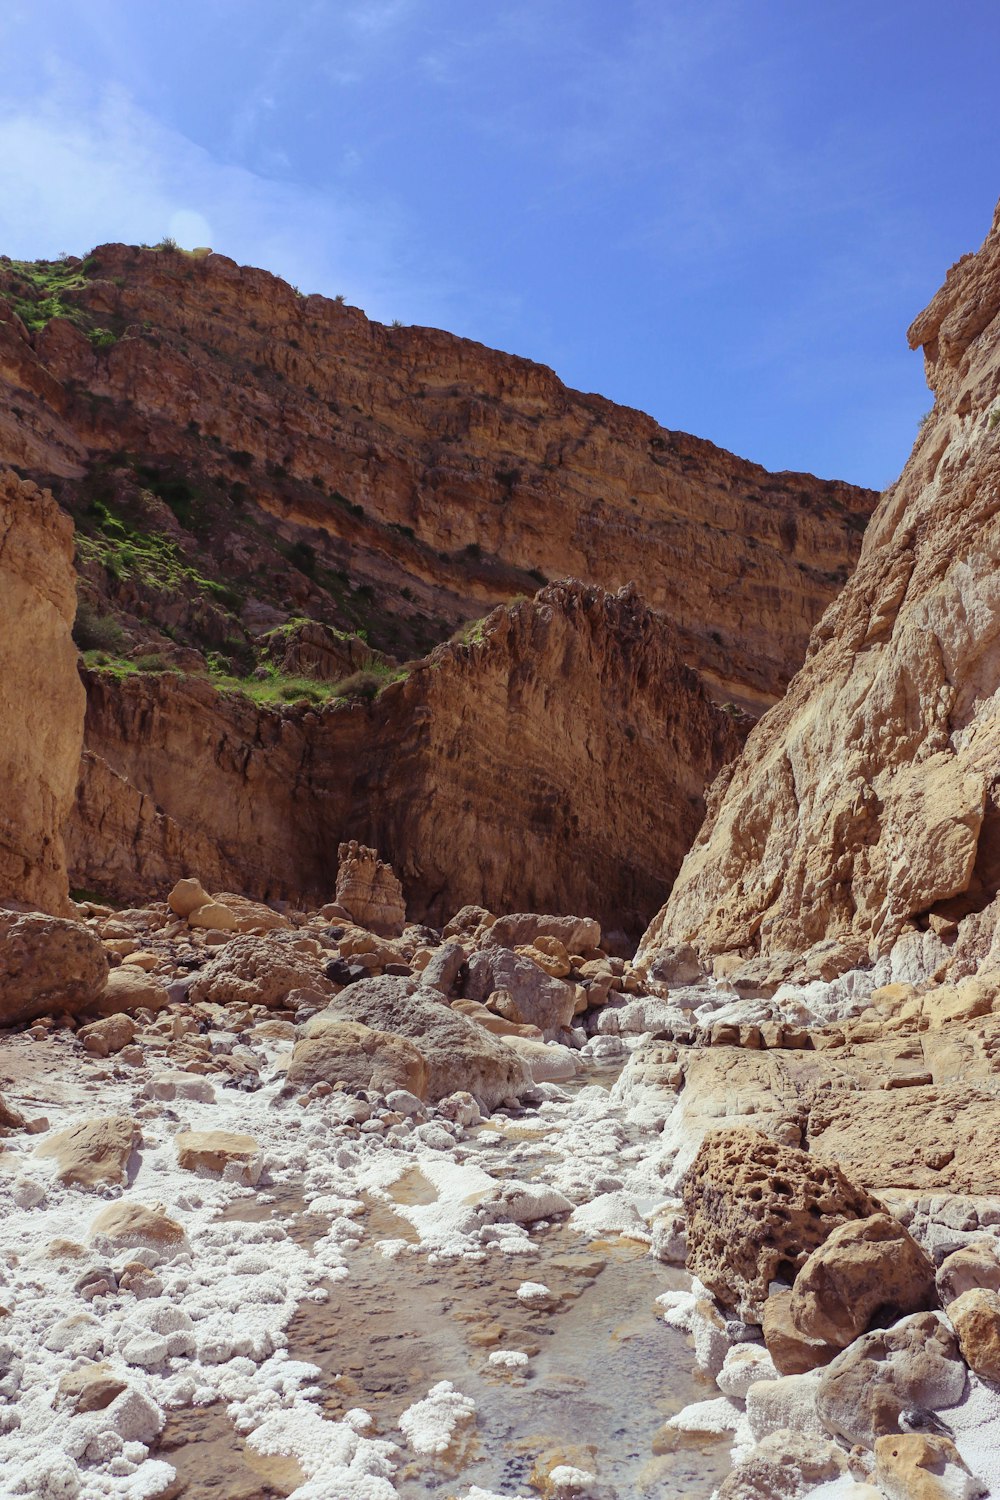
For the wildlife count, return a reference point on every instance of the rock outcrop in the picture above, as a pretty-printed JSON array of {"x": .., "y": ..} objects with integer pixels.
[
  {"x": 438, "y": 477},
  {"x": 867, "y": 803},
  {"x": 554, "y": 764},
  {"x": 41, "y": 699}
]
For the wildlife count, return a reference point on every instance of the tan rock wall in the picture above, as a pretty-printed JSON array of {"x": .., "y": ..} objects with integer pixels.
[
  {"x": 41, "y": 697},
  {"x": 556, "y": 765},
  {"x": 870, "y": 796}
]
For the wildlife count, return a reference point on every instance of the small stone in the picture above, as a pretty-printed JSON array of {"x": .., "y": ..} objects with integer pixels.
[{"x": 216, "y": 1151}]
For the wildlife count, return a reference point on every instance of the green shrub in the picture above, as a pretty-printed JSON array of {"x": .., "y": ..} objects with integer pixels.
[{"x": 93, "y": 631}]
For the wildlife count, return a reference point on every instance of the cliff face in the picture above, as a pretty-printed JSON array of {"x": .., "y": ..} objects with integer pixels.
[
  {"x": 398, "y": 480},
  {"x": 866, "y": 805},
  {"x": 556, "y": 762},
  {"x": 41, "y": 698}
]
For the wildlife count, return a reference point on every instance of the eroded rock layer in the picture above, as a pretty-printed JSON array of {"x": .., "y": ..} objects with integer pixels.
[
  {"x": 555, "y": 764},
  {"x": 867, "y": 803},
  {"x": 438, "y": 475},
  {"x": 41, "y": 699}
]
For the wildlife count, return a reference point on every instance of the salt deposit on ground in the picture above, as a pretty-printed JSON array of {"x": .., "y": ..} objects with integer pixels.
[{"x": 213, "y": 1324}]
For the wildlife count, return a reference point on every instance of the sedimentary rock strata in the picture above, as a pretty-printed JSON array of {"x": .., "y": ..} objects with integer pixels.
[
  {"x": 556, "y": 764},
  {"x": 41, "y": 700},
  {"x": 864, "y": 803}
]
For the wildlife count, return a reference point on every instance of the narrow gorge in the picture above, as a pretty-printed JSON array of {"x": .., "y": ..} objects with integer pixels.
[{"x": 498, "y": 953}]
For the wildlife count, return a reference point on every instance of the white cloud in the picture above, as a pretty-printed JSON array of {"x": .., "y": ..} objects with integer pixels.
[{"x": 76, "y": 171}]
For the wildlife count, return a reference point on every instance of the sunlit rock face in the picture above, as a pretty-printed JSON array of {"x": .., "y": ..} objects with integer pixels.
[{"x": 864, "y": 809}]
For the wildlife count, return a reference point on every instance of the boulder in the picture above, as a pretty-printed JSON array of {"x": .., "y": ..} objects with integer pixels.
[
  {"x": 93, "y": 1152},
  {"x": 865, "y": 1271},
  {"x": 576, "y": 933},
  {"x": 443, "y": 968},
  {"x": 102, "y": 1038},
  {"x": 368, "y": 889},
  {"x": 212, "y": 1151},
  {"x": 923, "y": 1466},
  {"x": 540, "y": 999},
  {"x": 258, "y": 971},
  {"x": 974, "y": 1265},
  {"x": 468, "y": 921},
  {"x": 251, "y": 916},
  {"x": 214, "y": 917},
  {"x": 916, "y": 1363},
  {"x": 337, "y": 1051},
  {"x": 129, "y": 1223},
  {"x": 783, "y": 1466},
  {"x": 788, "y": 1403},
  {"x": 47, "y": 964},
  {"x": 459, "y": 1054},
  {"x": 186, "y": 897},
  {"x": 549, "y": 954},
  {"x": 127, "y": 991},
  {"x": 975, "y": 1316},
  {"x": 756, "y": 1210},
  {"x": 792, "y": 1352}
]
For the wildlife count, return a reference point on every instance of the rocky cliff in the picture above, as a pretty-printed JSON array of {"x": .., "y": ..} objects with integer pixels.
[
  {"x": 41, "y": 698},
  {"x": 556, "y": 762},
  {"x": 866, "y": 805},
  {"x": 285, "y": 452}
]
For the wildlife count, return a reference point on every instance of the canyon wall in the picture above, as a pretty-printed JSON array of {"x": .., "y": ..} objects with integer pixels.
[
  {"x": 866, "y": 806},
  {"x": 556, "y": 762},
  {"x": 41, "y": 697},
  {"x": 443, "y": 476}
]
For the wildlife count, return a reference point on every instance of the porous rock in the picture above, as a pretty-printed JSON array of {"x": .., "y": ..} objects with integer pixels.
[
  {"x": 785, "y": 1465},
  {"x": 865, "y": 1270},
  {"x": 368, "y": 888},
  {"x": 257, "y": 971},
  {"x": 756, "y": 1210},
  {"x": 47, "y": 964},
  {"x": 334, "y": 1050}
]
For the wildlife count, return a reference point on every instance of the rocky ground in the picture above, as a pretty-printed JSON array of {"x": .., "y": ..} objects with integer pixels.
[{"x": 326, "y": 1204}]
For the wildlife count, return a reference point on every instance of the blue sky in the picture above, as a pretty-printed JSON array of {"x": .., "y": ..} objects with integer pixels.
[{"x": 724, "y": 212}]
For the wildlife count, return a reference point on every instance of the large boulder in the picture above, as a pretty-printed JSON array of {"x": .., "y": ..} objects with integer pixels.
[
  {"x": 916, "y": 1363},
  {"x": 368, "y": 889},
  {"x": 129, "y": 989},
  {"x": 93, "y": 1153},
  {"x": 337, "y": 1051},
  {"x": 47, "y": 964},
  {"x": 540, "y": 999},
  {"x": 577, "y": 933},
  {"x": 258, "y": 971},
  {"x": 923, "y": 1466},
  {"x": 785, "y": 1465},
  {"x": 756, "y": 1210},
  {"x": 975, "y": 1316},
  {"x": 868, "y": 1270},
  {"x": 459, "y": 1054}
]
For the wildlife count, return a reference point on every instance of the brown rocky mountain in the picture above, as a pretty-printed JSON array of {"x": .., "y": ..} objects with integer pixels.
[
  {"x": 398, "y": 480},
  {"x": 556, "y": 763},
  {"x": 281, "y": 507},
  {"x": 865, "y": 807}
]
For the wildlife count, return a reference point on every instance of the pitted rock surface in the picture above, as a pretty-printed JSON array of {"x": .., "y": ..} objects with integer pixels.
[{"x": 755, "y": 1212}]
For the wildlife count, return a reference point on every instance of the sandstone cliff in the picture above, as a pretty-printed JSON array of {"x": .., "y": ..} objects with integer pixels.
[
  {"x": 866, "y": 805},
  {"x": 41, "y": 698},
  {"x": 286, "y": 451},
  {"x": 556, "y": 762}
]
